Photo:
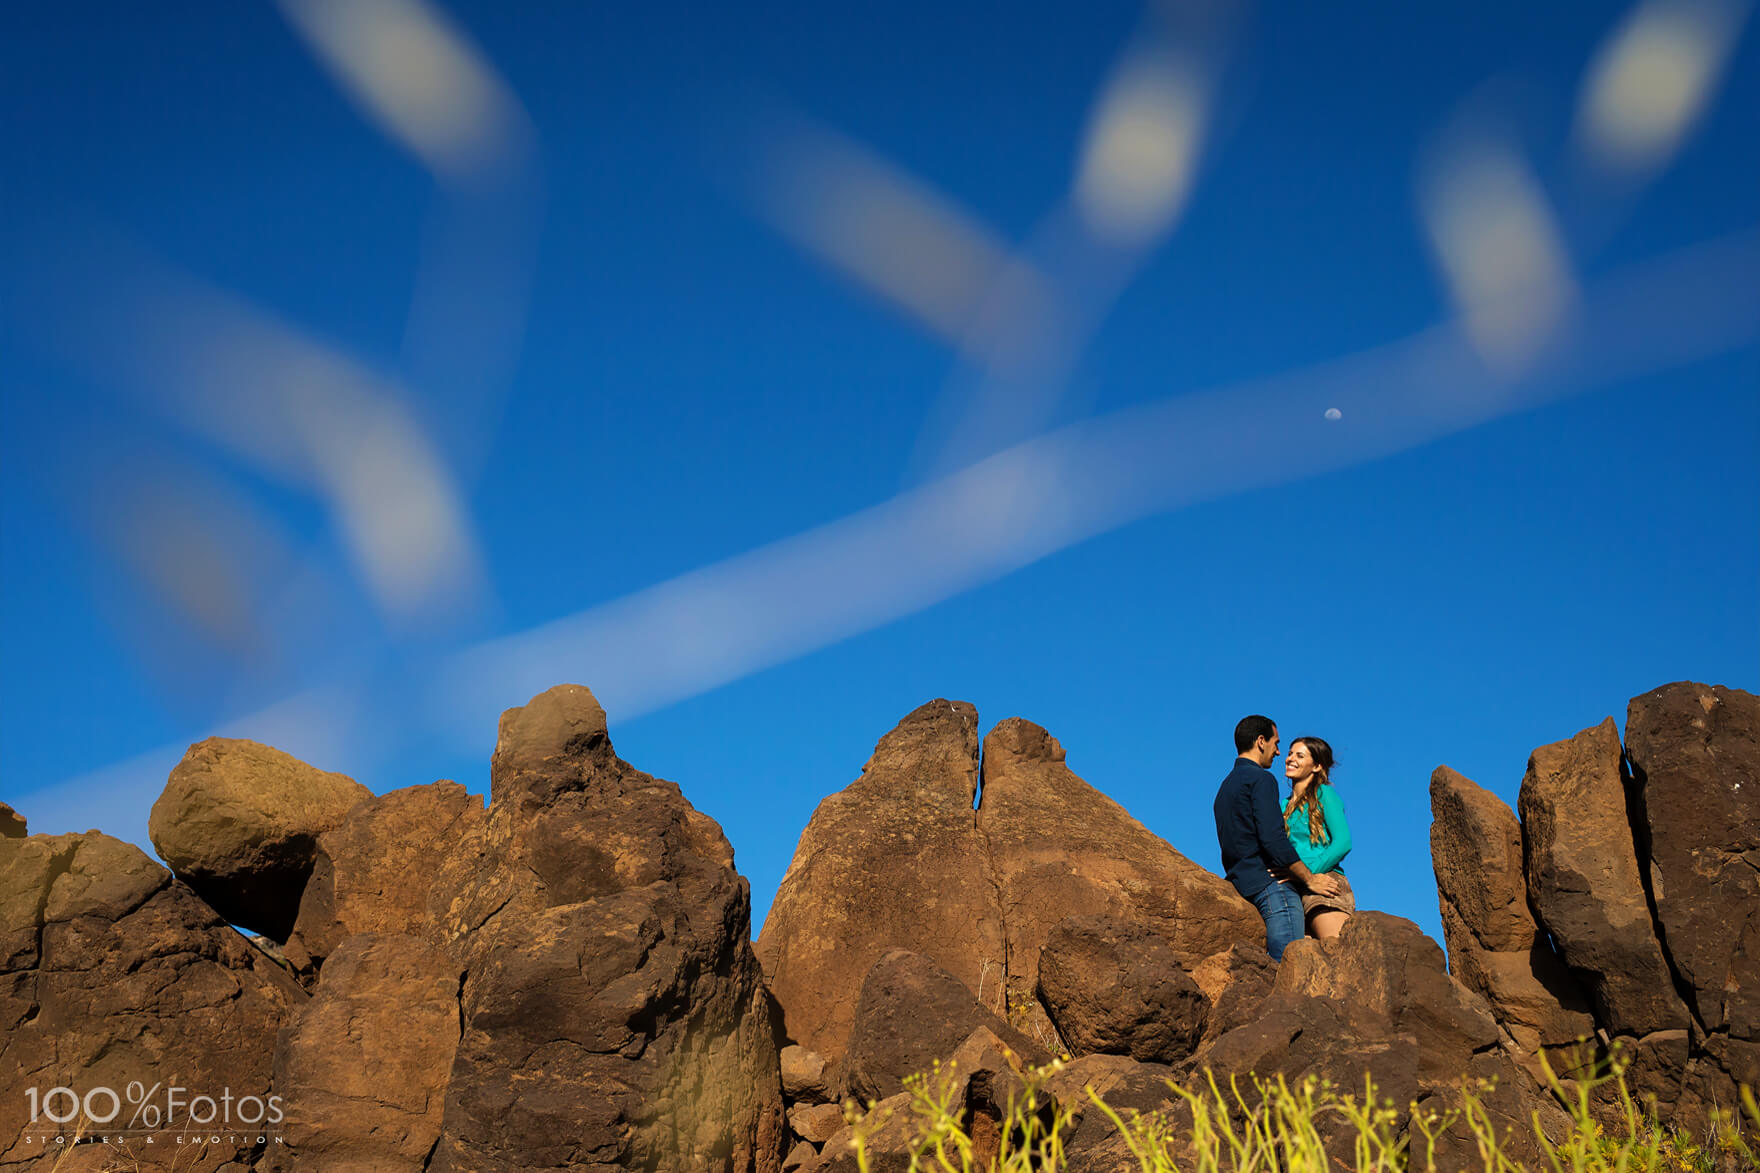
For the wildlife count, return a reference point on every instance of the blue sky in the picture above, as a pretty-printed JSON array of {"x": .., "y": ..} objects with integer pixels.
[{"x": 630, "y": 359}]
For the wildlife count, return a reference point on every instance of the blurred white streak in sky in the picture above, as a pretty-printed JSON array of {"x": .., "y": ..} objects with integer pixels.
[
  {"x": 888, "y": 231},
  {"x": 293, "y": 409},
  {"x": 1018, "y": 319},
  {"x": 717, "y": 624},
  {"x": 1497, "y": 244},
  {"x": 420, "y": 79},
  {"x": 1651, "y": 81},
  {"x": 1140, "y": 155},
  {"x": 415, "y": 75},
  {"x": 725, "y": 621}
]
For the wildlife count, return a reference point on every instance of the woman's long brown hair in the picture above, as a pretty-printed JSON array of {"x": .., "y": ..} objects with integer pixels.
[{"x": 1318, "y": 832}]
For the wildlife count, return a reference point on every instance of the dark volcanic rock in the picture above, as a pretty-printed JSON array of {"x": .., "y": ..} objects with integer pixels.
[
  {"x": 364, "y": 1064},
  {"x": 11, "y": 823},
  {"x": 1695, "y": 755},
  {"x": 1495, "y": 948},
  {"x": 1115, "y": 987},
  {"x": 238, "y": 821},
  {"x": 911, "y": 1014},
  {"x": 614, "y": 1015},
  {"x": 1584, "y": 885},
  {"x": 375, "y": 872},
  {"x": 111, "y": 972},
  {"x": 892, "y": 861},
  {"x": 1377, "y": 1000}
]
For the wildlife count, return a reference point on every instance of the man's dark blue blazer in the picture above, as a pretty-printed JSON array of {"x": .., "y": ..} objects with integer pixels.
[{"x": 1249, "y": 828}]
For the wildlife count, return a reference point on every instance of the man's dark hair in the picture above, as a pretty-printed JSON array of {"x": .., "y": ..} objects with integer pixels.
[{"x": 1251, "y": 729}]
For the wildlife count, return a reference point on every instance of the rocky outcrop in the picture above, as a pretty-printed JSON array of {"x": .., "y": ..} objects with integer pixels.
[
  {"x": 613, "y": 1014},
  {"x": 113, "y": 974},
  {"x": 1695, "y": 763},
  {"x": 238, "y": 822},
  {"x": 1583, "y": 881},
  {"x": 1495, "y": 947},
  {"x": 1377, "y": 1001},
  {"x": 1058, "y": 847},
  {"x": 363, "y": 1065},
  {"x": 900, "y": 860},
  {"x": 892, "y": 861},
  {"x": 1114, "y": 986},
  {"x": 375, "y": 872},
  {"x": 12, "y": 825},
  {"x": 911, "y": 1015}
]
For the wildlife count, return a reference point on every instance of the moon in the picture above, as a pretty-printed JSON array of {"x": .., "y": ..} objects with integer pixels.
[{"x": 1332, "y": 413}]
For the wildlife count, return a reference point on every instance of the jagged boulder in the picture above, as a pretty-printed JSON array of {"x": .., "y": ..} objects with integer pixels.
[
  {"x": 238, "y": 823},
  {"x": 900, "y": 860},
  {"x": 1114, "y": 986},
  {"x": 1695, "y": 762},
  {"x": 12, "y": 825},
  {"x": 1495, "y": 948},
  {"x": 803, "y": 1076},
  {"x": 892, "y": 861},
  {"x": 363, "y": 1065},
  {"x": 1234, "y": 981},
  {"x": 1377, "y": 1000},
  {"x": 911, "y": 1015},
  {"x": 1059, "y": 847},
  {"x": 1584, "y": 884},
  {"x": 375, "y": 872},
  {"x": 613, "y": 1014},
  {"x": 1131, "y": 1089},
  {"x": 114, "y": 974}
]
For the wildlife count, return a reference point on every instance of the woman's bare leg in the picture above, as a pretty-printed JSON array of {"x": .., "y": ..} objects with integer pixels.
[{"x": 1326, "y": 923}]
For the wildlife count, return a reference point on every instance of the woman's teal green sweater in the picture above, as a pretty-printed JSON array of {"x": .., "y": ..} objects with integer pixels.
[{"x": 1321, "y": 857}]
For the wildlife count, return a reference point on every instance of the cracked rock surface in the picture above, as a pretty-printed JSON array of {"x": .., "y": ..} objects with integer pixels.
[
  {"x": 112, "y": 973},
  {"x": 900, "y": 859}
]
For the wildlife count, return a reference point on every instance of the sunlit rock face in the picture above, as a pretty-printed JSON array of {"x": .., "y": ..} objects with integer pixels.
[
  {"x": 238, "y": 822},
  {"x": 900, "y": 859},
  {"x": 114, "y": 975},
  {"x": 1495, "y": 947},
  {"x": 613, "y": 1014},
  {"x": 1623, "y": 908}
]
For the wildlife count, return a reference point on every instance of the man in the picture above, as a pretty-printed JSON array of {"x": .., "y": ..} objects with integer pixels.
[{"x": 1249, "y": 828}]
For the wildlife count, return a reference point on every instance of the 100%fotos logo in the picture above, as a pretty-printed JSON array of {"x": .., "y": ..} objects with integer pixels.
[{"x": 149, "y": 1109}]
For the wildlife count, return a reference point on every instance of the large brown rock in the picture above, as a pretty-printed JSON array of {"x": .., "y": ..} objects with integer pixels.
[
  {"x": 1235, "y": 982},
  {"x": 1114, "y": 986},
  {"x": 375, "y": 872},
  {"x": 1059, "y": 848},
  {"x": 899, "y": 860},
  {"x": 12, "y": 825},
  {"x": 112, "y": 974},
  {"x": 1495, "y": 947},
  {"x": 911, "y": 1015},
  {"x": 1695, "y": 757},
  {"x": 238, "y": 822},
  {"x": 363, "y": 1065},
  {"x": 892, "y": 861},
  {"x": 613, "y": 1013},
  {"x": 1377, "y": 1001},
  {"x": 1584, "y": 885}
]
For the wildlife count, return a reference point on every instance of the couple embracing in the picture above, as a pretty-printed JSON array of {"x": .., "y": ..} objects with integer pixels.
[{"x": 1284, "y": 856}]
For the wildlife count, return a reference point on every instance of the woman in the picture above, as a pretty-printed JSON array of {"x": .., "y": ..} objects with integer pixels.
[{"x": 1315, "y": 820}]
